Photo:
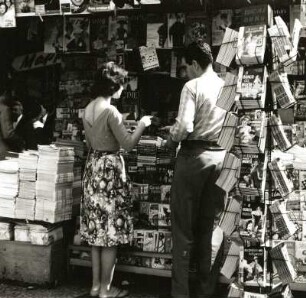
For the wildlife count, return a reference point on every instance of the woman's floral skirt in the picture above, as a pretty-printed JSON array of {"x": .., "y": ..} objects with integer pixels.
[{"x": 106, "y": 204}]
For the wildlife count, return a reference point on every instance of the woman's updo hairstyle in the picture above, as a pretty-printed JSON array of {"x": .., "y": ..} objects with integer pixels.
[{"x": 108, "y": 80}]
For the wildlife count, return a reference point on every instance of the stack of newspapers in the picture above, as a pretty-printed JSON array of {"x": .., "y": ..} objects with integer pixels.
[
  {"x": 8, "y": 187},
  {"x": 251, "y": 45},
  {"x": 227, "y": 95},
  {"x": 228, "y": 47},
  {"x": 25, "y": 202},
  {"x": 54, "y": 183},
  {"x": 251, "y": 87},
  {"x": 229, "y": 173},
  {"x": 281, "y": 89},
  {"x": 228, "y": 131}
]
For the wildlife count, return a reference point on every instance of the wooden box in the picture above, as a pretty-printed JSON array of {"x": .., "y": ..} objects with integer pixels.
[{"x": 23, "y": 261}]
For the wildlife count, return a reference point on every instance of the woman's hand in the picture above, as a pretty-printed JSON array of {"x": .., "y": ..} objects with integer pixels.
[{"x": 146, "y": 120}]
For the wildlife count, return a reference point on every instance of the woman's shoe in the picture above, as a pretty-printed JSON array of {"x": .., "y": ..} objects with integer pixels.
[
  {"x": 114, "y": 293},
  {"x": 94, "y": 292}
]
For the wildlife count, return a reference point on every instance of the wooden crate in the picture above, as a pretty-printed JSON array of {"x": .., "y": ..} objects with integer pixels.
[{"x": 29, "y": 263}]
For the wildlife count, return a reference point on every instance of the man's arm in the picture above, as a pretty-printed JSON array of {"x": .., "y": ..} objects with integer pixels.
[{"x": 184, "y": 121}]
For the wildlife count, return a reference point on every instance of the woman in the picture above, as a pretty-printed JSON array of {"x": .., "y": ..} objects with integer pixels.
[{"x": 105, "y": 206}]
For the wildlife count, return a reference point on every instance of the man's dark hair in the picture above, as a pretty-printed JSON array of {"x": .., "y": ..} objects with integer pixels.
[
  {"x": 108, "y": 80},
  {"x": 199, "y": 51}
]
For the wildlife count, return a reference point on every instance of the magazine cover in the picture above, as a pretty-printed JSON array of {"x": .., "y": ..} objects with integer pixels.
[
  {"x": 7, "y": 14},
  {"x": 153, "y": 213},
  {"x": 129, "y": 100},
  {"x": 252, "y": 220},
  {"x": 138, "y": 239},
  {"x": 299, "y": 90},
  {"x": 252, "y": 174},
  {"x": 149, "y": 58},
  {"x": 165, "y": 193},
  {"x": 99, "y": 35},
  {"x": 176, "y": 30},
  {"x": 252, "y": 266},
  {"x": 47, "y": 6},
  {"x": 149, "y": 242},
  {"x": 300, "y": 110},
  {"x": 197, "y": 28},
  {"x": 251, "y": 45},
  {"x": 25, "y": 7},
  {"x": 76, "y": 35},
  {"x": 118, "y": 31},
  {"x": 221, "y": 20},
  {"x": 53, "y": 35},
  {"x": 164, "y": 215},
  {"x": 136, "y": 31},
  {"x": 251, "y": 83},
  {"x": 249, "y": 129},
  {"x": 157, "y": 31}
]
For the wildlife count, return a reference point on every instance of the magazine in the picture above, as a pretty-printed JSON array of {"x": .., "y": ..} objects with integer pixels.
[
  {"x": 157, "y": 31},
  {"x": 53, "y": 35},
  {"x": 176, "y": 30},
  {"x": 251, "y": 45},
  {"x": 118, "y": 31},
  {"x": 197, "y": 28},
  {"x": 251, "y": 87},
  {"x": 8, "y": 14},
  {"x": 221, "y": 20},
  {"x": 76, "y": 34},
  {"x": 149, "y": 58},
  {"x": 99, "y": 35},
  {"x": 25, "y": 7},
  {"x": 47, "y": 7}
]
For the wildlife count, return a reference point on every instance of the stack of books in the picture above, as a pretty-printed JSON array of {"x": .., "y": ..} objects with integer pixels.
[
  {"x": 227, "y": 95},
  {"x": 147, "y": 150},
  {"x": 281, "y": 89},
  {"x": 25, "y": 202},
  {"x": 251, "y": 45},
  {"x": 228, "y": 47},
  {"x": 229, "y": 173},
  {"x": 228, "y": 131},
  {"x": 251, "y": 133},
  {"x": 251, "y": 88},
  {"x": 54, "y": 183},
  {"x": 281, "y": 260},
  {"x": 8, "y": 187}
]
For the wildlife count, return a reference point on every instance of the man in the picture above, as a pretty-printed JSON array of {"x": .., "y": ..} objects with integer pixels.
[
  {"x": 9, "y": 140},
  {"x": 195, "y": 199}
]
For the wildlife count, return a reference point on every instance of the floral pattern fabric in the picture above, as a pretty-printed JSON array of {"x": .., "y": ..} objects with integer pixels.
[{"x": 106, "y": 203}]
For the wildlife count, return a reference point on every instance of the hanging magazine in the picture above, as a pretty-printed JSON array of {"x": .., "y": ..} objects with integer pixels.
[
  {"x": 251, "y": 87},
  {"x": 251, "y": 132},
  {"x": 251, "y": 45},
  {"x": 7, "y": 15}
]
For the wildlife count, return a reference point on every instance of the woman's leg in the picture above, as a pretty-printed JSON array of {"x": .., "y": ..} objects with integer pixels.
[
  {"x": 108, "y": 260},
  {"x": 96, "y": 268}
]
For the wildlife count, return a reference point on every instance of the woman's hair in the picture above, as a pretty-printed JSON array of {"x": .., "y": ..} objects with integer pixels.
[{"x": 108, "y": 80}]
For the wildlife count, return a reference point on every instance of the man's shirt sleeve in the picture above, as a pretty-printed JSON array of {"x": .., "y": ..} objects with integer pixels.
[{"x": 184, "y": 121}]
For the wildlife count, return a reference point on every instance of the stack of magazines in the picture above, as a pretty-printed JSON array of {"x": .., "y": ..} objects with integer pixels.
[
  {"x": 147, "y": 150},
  {"x": 251, "y": 88},
  {"x": 228, "y": 47},
  {"x": 251, "y": 45},
  {"x": 54, "y": 183},
  {"x": 8, "y": 187},
  {"x": 25, "y": 202},
  {"x": 252, "y": 178},
  {"x": 227, "y": 95},
  {"x": 228, "y": 130},
  {"x": 251, "y": 133},
  {"x": 229, "y": 173}
]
